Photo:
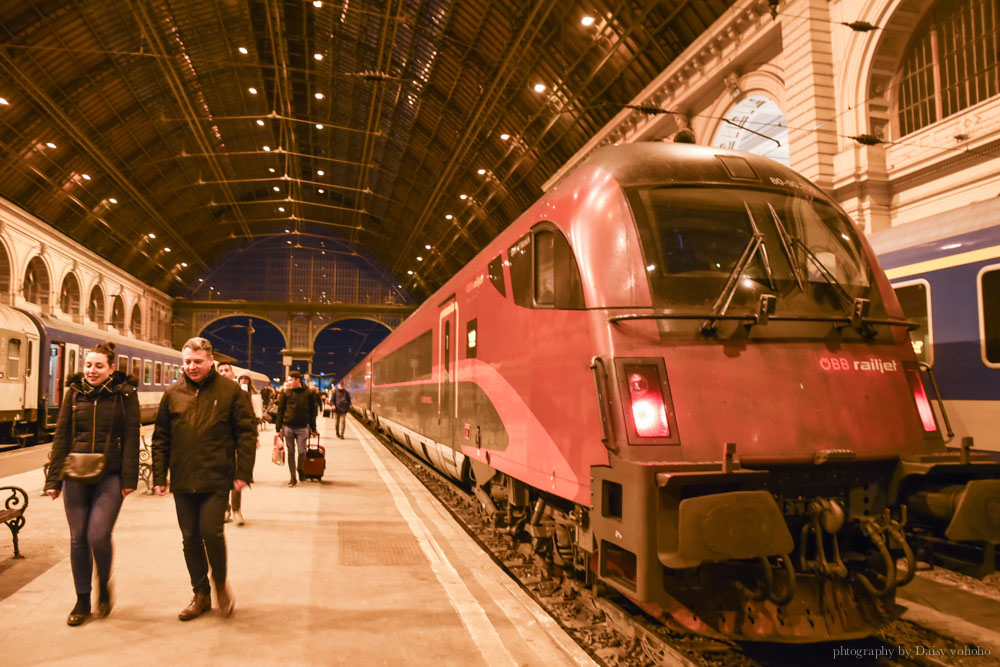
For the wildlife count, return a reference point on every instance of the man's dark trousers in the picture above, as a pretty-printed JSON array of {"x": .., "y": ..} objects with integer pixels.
[{"x": 200, "y": 517}]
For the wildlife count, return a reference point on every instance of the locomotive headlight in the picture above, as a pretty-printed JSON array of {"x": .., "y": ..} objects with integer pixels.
[{"x": 649, "y": 410}]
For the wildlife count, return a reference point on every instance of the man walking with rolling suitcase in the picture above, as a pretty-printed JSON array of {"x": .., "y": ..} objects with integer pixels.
[
  {"x": 341, "y": 406},
  {"x": 295, "y": 420}
]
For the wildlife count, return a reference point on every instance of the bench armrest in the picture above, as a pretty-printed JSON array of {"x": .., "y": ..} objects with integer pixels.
[{"x": 17, "y": 499}]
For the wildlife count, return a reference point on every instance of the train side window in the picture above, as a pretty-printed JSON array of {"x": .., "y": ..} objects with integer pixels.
[
  {"x": 136, "y": 368},
  {"x": 471, "y": 341},
  {"x": 14, "y": 358},
  {"x": 915, "y": 298},
  {"x": 495, "y": 270},
  {"x": 147, "y": 372},
  {"x": 177, "y": 375},
  {"x": 71, "y": 362},
  {"x": 545, "y": 268},
  {"x": 123, "y": 363},
  {"x": 989, "y": 311},
  {"x": 158, "y": 373},
  {"x": 519, "y": 256},
  {"x": 27, "y": 366}
]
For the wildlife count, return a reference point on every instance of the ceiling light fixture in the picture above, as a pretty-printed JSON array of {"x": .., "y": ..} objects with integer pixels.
[
  {"x": 319, "y": 126},
  {"x": 271, "y": 169},
  {"x": 428, "y": 246},
  {"x": 317, "y": 3},
  {"x": 449, "y": 216},
  {"x": 419, "y": 258},
  {"x": 276, "y": 188},
  {"x": 318, "y": 96},
  {"x": 409, "y": 273},
  {"x": 3, "y": 101},
  {"x": 166, "y": 249},
  {"x": 480, "y": 171},
  {"x": 184, "y": 264},
  {"x": 243, "y": 50},
  {"x": 463, "y": 197},
  {"x": 539, "y": 87},
  {"x": 50, "y": 144},
  {"x": 253, "y": 91},
  {"x": 281, "y": 208},
  {"x": 318, "y": 56},
  {"x": 504, "y": 137},
  {"x": 86, "y": 177},
  {"x": 113, "y": 200},
  {"x": 320, "y": 172},
  {"x": 321, "y": 190},
  {"x": 587, "y": 21},
  {"x": 151, "y": 235},
  {"x": 266, "y": 148},
  {"x": 260, "y": 122}
]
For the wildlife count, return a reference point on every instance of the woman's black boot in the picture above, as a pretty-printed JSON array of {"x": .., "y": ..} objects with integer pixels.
[
  {"x": 81, "y": 612},
  {"x": 104, "y": 600}
]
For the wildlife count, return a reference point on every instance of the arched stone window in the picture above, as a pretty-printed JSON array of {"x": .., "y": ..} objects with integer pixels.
[
  {"x": 950, "y": 65},
  {"x": 69, "y": 295},
  {"x": 95, "y": 307},
  {"x": 35, "y": 285},
  {"x": 118, "y": 313},
  {"x": 4, "y": 275},
  {"x": 136, "y": 323},
  {"x": 755, "y": 124}
]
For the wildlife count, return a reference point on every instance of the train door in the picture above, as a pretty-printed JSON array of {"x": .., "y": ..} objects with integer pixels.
[
  {"x": 447, "y": 378},
  {"x": 56, "y": 380}
]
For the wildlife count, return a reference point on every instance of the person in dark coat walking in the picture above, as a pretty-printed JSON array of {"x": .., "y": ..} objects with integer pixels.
[
  {"x": 341, "y": 406},
  {"x": 298, "y": 406},
  {"x": 206, "y": 437},
  {"x": 99, "y": 413}
]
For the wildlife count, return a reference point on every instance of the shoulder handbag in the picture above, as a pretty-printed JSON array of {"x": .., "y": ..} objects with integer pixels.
[{"x": 86, "y": 467}]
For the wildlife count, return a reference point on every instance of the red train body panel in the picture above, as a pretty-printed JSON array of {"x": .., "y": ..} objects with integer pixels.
[{"x": 657, "y": 371}]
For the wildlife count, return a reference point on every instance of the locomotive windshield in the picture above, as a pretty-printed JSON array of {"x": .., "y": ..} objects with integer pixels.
[{"x": 693, "y": 239}]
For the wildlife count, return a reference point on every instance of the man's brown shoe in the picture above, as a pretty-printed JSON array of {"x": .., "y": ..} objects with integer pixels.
[
  {"x": 200, "y": 603},
  {"x": 227, "y": 603}
]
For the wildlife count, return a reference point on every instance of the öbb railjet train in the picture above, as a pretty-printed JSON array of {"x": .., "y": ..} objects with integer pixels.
[{"x": 683, "y": 373}]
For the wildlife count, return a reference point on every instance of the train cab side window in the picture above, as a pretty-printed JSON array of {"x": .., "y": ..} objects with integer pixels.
[
  {"x": 122, "y": 363},
  {"x": 495, "y": 270},
  {"x": 13, "y": 358},
  {"x": 989, "y": 283},
  {"x": 471, "y": 340},
  {"x": 544, "y": 272},
  {"x": 915, "y": 299},
  {"x": 147, "y": 372}
]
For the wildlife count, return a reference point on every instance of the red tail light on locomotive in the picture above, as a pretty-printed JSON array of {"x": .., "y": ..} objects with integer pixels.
[
  {"x": 920, "y": 398},
  {"x": 649, "y": 413}
]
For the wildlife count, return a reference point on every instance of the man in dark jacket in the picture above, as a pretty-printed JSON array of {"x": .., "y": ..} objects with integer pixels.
[
  {"x": 295, "y": 420},
  {"x": 206, "y": 436},
  {"x": 341, "y": 406}
]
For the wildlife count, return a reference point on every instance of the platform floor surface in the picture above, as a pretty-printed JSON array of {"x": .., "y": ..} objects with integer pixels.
[{"x": 365, "y": 568}]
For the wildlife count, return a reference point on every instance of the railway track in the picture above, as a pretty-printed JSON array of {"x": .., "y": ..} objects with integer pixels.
[{"x": 616, "y": 633}]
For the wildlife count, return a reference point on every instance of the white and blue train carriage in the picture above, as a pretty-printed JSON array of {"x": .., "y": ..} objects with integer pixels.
[{"x": 946, "y": 272}]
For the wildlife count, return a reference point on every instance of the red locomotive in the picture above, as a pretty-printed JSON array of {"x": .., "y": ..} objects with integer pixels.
[{"x": 683, "y": 372}]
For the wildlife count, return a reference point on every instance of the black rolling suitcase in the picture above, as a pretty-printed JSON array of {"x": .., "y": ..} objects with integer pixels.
[{"x": 314, "y": 461}]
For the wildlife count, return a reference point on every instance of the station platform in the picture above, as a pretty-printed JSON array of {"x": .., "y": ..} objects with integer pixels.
[{"x": 363, "y": 568}]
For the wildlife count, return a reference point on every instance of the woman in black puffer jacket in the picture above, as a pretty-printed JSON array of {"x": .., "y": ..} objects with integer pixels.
[{"x": 99, "y": 413}]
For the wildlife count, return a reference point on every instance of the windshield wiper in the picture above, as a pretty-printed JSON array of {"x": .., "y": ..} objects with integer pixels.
[
  {"x": 725, "y": 297},
  {"x": 786, "y": 242},
  {"x": 859, "y": 307}
]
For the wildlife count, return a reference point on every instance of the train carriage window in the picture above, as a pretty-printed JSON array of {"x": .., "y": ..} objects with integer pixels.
[
  {"x": 136, "y": 368},
  {"x": 123, "y": 363},
  {"x": 147, "y": 372},
  {"x": 915, "y": 298},
  {"x": 545, "y": 269},
  {"x": 158, "y": 373},
  {"x": 471, "y": 340},
  {"x": 989, "y": 305},
  {"x": 27, "y": 366},
  {"x": 14, "y": 358},
  {"x": 71, "y": 362},
  {"x": 176, "y": 376},
  {"x": 495, "y": 270},
  {"x": 519, "y": 256}
]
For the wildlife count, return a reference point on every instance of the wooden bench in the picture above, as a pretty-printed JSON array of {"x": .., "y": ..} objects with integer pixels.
[{"x": 12, "y": 511}]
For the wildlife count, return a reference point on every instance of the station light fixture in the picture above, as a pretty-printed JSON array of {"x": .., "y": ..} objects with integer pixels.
[
  {"x": 271, "y": 169},
  {"x": 317, "y": 4},
  {"x": 539, "y": 87},
  {"x": 321, "y": 190},
  {"x": 260, "y": 122},
  {"x": 151, "y": 235},
  {"x": 481, "y": 172},
  {"x": 167, "y": 249},
  {"x": 243, "y": 50},
  {"x": 409, "y": 273},
  {"x": 504, "y": 137},
  {"x": 276, "y": 188},
  {"x": 86, "y": 177},
  {"x": 281, "y": 209},
  {"x": 112, "y": 200},
  {"x": 3, "y": 101},
  {"x": 320, "y": 172},
  {"x": 427, "y": 247},
  {"x": 319, "y": 126},
  {"x": 50, "y": 144},
  {"x": 449, "y": 216},
  {"x": 419, "y": 258},
  {"x": 463, "y": 197},
  {"x": 184, "y": 264},
  {"x": 266, "y": 148},
  {"x": 318, "y": 56},
  {"x": 288, "y": 231},
  {"x": 253, "y": 91},
  {"x": 587, "y": 21},
  {"x": 318, "y": 96}
]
